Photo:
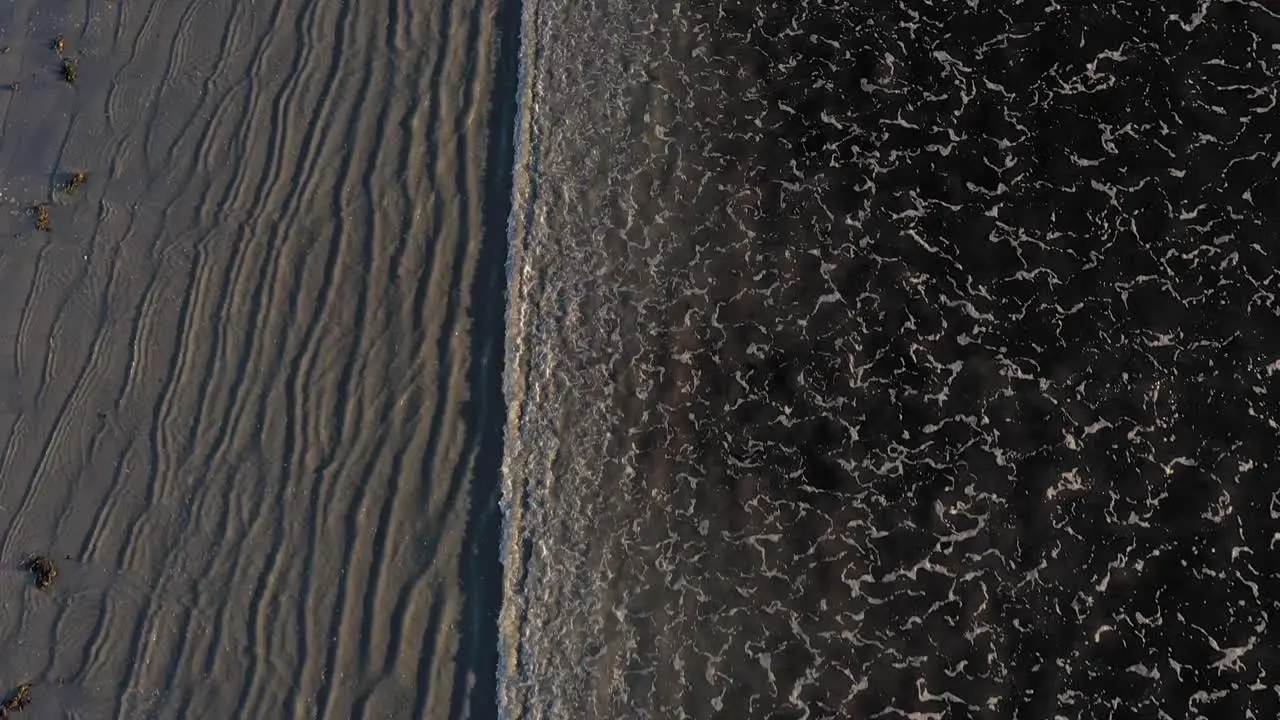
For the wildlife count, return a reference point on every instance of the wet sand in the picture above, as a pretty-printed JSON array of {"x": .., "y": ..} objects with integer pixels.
[{"x": 249, "y": 380}]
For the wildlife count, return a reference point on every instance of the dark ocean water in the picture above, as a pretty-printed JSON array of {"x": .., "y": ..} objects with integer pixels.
[{"x": 893, "y": 360}]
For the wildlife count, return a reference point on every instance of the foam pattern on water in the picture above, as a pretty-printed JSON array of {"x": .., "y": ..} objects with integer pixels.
[{"x": 909, "y": 361}]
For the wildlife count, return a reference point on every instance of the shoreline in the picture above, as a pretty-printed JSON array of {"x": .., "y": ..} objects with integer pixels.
[{"x": 476, "y": 679}]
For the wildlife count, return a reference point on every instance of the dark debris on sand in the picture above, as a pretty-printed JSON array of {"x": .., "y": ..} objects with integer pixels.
[
  {"x": 75, "y": 181},
  {"x": 43, "y": 569},
  {"x": 69, "y": 70},
  {"x": 17, "y": 701},
  {"x": 43, "y": 222}
]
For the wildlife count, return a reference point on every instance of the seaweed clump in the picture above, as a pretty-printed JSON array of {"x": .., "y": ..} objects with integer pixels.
[
  {"x": 17, "y": 701},
  {"x": 75, "y": 181},
  {"x": 43, "y": 223},
  {"x": 43, "y": 569}
]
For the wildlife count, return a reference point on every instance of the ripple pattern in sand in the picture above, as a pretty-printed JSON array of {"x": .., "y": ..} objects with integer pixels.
[{"x": 241, "y": 382}]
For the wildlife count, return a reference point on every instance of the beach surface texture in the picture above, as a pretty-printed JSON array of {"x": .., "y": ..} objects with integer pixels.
[{"x": 250, "y": 367}]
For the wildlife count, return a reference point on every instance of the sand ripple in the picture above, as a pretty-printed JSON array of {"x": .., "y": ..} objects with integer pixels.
[{"x": 245, "y": 388}]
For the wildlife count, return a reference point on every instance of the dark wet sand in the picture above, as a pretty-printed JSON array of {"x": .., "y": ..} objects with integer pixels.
[{"x": 249, "y": 382}]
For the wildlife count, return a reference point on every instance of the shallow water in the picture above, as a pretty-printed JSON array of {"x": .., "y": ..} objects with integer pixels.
[{"x": 904, "y": 360}]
